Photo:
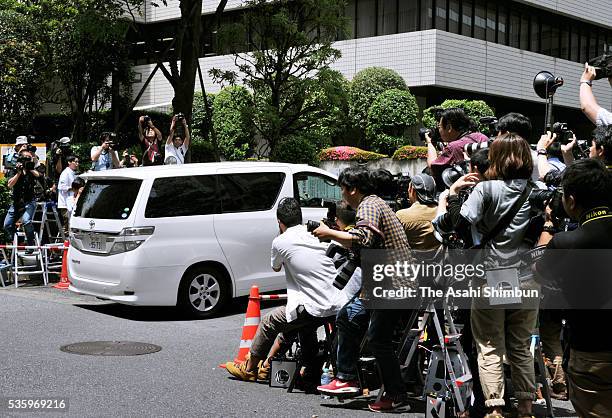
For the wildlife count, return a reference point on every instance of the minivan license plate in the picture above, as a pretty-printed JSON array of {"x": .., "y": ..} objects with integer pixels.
[{"x": 97, "y": 243}]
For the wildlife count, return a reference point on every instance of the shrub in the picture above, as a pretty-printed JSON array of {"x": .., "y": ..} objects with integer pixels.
[
  {"x": 233, "y": 122},
  {"x": 410, "y": 152},
  {"x": 6, "y": 199},
  {"x": 366, "y": 86},
  {"x": 391, "y": 113},
  {"x": 475, "y": 109},
  {"x": 348, "y": 154},
  {"x": 201, "y": 151},
  {"x": 296, "y": 149},
  {"x": 200, "y": 125}
]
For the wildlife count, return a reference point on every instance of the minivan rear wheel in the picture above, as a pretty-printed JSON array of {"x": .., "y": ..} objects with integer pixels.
[{"x": 204, "y": 292}]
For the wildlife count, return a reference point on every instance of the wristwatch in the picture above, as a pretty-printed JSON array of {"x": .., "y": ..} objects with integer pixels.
[
  {"x": 542, "y": 152},
  {"x": 550, "y": 229},
  {"x": 590, "y": 83}
]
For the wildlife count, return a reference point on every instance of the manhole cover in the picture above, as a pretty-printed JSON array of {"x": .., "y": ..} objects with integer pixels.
[{"x": 111, "y": 348}]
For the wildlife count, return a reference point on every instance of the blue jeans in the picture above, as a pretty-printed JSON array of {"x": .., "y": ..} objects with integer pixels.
[
  {"x": 27, "y": 215},
  {"x": 353, "y": 322}
]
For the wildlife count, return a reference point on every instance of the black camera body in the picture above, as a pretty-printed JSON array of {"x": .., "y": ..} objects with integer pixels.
[
  {"x": 491, "y": 123},
  {"x": 180, "y": 117},
  {"x": 603, "y": 65},
  {"x": 564, "y": 134},
  {"x": 146, "y": 119},
  {"x": 26, "y": 162}
]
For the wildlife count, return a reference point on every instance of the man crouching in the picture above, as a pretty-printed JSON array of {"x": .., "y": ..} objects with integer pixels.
[{"x": 310, "y": 298}]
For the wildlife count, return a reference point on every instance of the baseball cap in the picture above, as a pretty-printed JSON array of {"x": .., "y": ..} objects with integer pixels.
[
  {"x": 425, "y": 187},
  {"x": 21, "y": 140},
  {"x": 64, "y": 140}
]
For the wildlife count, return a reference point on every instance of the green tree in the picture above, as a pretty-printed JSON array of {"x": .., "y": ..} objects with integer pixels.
[
  {"x": 21, "y": 72},
  {"x": 233, "y": 122},
  {"x": 390, "y": 115},
  {"x": 289, "y": 43},
  {"x": 475, "y": 109},
  {"x": 365, "y": 88}
]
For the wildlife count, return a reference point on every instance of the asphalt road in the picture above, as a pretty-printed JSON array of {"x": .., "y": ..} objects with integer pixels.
[{"x": 183, "y": 379}]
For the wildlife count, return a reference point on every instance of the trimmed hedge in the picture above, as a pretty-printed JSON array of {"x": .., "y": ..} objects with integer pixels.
[
  {"x": 365, "y": 88},
  {"x": 390, "y": 115},
  {"x": 475, "y": 109},
  {"x": 348, "y": 154},
  {"x": 410, "y": 152},
  {"x": 233, "y": 122},
  {"x": 296, "y": 149}
]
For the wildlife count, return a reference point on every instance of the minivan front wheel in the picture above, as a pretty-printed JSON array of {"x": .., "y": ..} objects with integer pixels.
[{"x": 203, "y": 292}]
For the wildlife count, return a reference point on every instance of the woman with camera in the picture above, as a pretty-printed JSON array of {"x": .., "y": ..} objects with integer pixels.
[
  {"x": 150, "y": 137},
  {"x": 497, "y": 215}
]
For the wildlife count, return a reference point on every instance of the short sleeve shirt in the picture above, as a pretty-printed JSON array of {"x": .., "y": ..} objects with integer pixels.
[
  {"x": 453, "y": 153},
  {"x": 105, "y": 161},
  {"x": 604, "y": 117},
  {"x": 178, "y": 153},
  {"x": 309, "y": 272}
]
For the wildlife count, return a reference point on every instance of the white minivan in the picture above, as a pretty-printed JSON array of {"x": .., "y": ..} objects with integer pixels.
[{"x": 193, "y": 235}]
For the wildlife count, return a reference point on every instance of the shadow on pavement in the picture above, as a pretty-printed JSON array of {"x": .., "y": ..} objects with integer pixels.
[{"x": 165, "y": 313}]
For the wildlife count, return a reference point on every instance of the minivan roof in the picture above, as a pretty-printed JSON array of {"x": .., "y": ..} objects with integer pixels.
[{"x": 175, "y": 170}]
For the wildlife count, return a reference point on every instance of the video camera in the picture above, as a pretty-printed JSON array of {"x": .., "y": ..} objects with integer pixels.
[{"x": 26, "y": 162}]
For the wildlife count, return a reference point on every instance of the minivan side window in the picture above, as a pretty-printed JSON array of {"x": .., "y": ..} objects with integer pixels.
[
  {"x": 312, "y": 189},
  {"x": 108, "y": 199},
  {"x": 249, "y": 191},
  {"x": 182, "y": 196}
]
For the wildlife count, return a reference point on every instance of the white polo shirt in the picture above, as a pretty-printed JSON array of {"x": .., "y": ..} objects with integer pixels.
[
  {"x": 310, "y": 273},
  {"x": 178, "y": 153}
]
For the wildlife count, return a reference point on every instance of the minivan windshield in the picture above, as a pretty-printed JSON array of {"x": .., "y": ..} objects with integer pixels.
[{"x": 108, "y": 199}]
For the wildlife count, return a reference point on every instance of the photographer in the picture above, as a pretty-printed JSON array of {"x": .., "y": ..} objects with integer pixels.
[
  {"x": 103, "y": 156},
  {"x": 310, "y": 296},
  {"x": 150, "y": 137},
  {"x": 10, "y": 159},
  {"x": 456, "y": 130},
  {"x": 500, "y": 211},
  {"x": 596, "y": 114},
  {"x": 60, "y": 150},
  {"x": 416, "y": 220},
  {"x": 22, "y": 180},
  {"x": 550, "y": 152},
  {"x": 584, "y": 280},
  {"x": 64, "y": 188},
  {"x": 128, "y": 160},
  {"x": 373, "y": 214},
  {"x": 177, "y": 145}
]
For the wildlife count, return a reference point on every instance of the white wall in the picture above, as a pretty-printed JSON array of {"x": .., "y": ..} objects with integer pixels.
[{"x": 428, "y": 58}]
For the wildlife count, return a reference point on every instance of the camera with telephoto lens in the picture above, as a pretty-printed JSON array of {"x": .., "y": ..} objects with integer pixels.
[
  {"x": 564, "y": 135},
  {"x": 345, "y": 261},
  {"x": 26, "y": 162},
  {"x": 539, "y": 199},
  {"x": 145, "y": 120},
  {"x": 330, "y": 218},
  {"x": 475, "y": 146},
  {"x": 602, "y": 64}
]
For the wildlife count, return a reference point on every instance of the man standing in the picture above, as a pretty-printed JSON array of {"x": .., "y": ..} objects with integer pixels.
[
  {"x": 64, "y": 188},
  {"x": 574, "y": 262},
  {"x": 21, "y": 181},
  {"x": 103, "y": 156},
  {"x": 177, "y": 145},
  {"x": 10, "y": 159},
  {"x": 377, "y": 227},
  {"x": 310, "y": 297},
  {"x": 150, "y": 137},
  {"x": 416, "y": 220}
]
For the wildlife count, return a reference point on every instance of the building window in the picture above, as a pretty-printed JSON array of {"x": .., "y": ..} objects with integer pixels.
[
  {"x": 466, "y": 17},
  {"x": 593, "y": 44},
  {"x": 564, "y": 37},
  {"x": 546, "y": 39},
  {"x": 491, "y": 20},
  {"x": 408, "y": 16},
  {"x": 426, "y": 14},
  {"x": 453, "y": 16},
  {"x": 441, "y": 15},
  {"x": 349, "y": 14},
  {"x": 366, "y": 18},
  {"x": 480, "y": 20},
  {"x": 502, "y": 25},
  {"x": 387, "y": 17},
  {"x": 584, "y": 46},
  {"x": 575, "y": 45},
  {"x": 515, "y": 30},
  {"x": 534, "y": 35},
  {"x": 524, "y": 32}
]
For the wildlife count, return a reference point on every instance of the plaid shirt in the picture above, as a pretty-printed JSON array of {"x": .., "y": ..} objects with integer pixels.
[{"x": 375, "y": 211}]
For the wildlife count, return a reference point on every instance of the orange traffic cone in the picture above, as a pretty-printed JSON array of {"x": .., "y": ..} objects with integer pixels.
[
  {"x": 64, "y": 282},
  {"x": 251, "y": 323}
]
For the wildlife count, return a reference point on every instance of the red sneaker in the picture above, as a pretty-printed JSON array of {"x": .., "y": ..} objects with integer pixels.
[
  {"x": 338, "y": 386},
  {"x": 389, "y": 405}
]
